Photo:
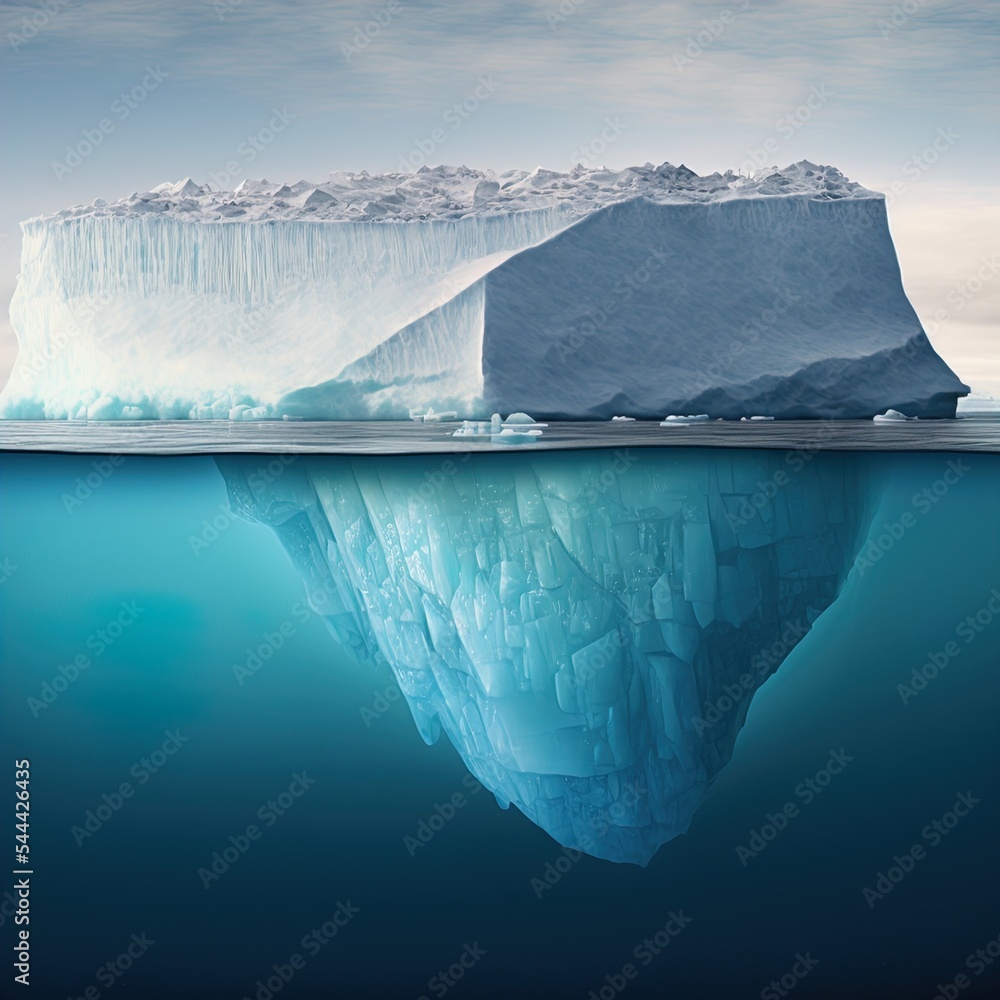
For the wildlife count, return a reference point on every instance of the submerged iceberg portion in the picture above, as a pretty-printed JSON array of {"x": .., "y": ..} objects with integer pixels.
[
  {"x": 595, "y": 293},
  {"x": 587, "y": 628}
]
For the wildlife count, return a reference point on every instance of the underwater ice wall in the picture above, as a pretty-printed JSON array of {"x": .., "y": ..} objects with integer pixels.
[{"x": 587, "y": 628}]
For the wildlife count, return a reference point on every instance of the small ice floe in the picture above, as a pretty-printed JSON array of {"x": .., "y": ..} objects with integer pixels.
[
  {"x": 623, "y": 418},
  {"x": 473, "y": 429},
  {"x": 518, "y": 428},
  {"x": 756, "y": 418},
  {"x": 890, "y": 416},
  {"x": 430, "y": 417},
  {"x": 679, "y": 421}
]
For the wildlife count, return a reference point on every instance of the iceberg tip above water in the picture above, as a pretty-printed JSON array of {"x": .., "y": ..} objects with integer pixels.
[{"x": 583, "y": 295}]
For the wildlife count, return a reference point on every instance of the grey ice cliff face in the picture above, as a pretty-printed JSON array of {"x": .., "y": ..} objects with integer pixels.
[
  {"x": 595, "y": 293},
  {"x": 587, "y": 629}
]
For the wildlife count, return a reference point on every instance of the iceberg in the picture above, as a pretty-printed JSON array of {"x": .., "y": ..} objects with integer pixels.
[
  {"x": 581, "y": 295},
  {"x": 677, "y": 420},
  {"x": 891, "y": 416},
  {"x": 587, "y": 629},
  {"x": 517, "y": 429}
]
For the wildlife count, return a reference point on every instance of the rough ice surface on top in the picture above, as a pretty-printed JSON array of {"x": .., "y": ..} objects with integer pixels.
[
  {"x": 643, "y": 292},
  {"x": 456, "y": 192},
  {"x": 588, "y": 628}
]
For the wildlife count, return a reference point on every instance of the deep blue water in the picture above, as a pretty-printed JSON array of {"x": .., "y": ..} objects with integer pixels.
[{"x": 167, "y": 668}]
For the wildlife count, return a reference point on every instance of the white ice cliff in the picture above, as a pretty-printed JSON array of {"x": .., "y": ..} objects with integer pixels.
[
  {"x": 587, "y": 628},
  {"x": 642, "y": 292}
]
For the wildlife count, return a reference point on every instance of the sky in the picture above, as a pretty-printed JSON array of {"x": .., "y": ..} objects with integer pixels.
[{"x": 902, "y": 97}]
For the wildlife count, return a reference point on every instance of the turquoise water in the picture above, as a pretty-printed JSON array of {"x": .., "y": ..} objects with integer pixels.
[{"x": 161, "y": 622}]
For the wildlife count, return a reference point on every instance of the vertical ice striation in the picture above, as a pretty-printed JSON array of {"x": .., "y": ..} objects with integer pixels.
[
  {"x": 177, "y": 319},
  {"x": 587, "y": 628}
]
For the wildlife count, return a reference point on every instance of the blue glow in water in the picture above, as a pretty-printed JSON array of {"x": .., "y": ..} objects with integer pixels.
[{"x": 401, "y": 832}]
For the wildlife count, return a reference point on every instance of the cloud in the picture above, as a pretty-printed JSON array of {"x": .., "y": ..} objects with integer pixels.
[
  {"x": 946, "y": 239},
  {"x": 598, "y": 55}
]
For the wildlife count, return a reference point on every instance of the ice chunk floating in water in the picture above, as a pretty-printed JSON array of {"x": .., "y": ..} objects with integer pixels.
[
  {"x": 587, "y": 629},
  {"x": 645, "y": 292}
]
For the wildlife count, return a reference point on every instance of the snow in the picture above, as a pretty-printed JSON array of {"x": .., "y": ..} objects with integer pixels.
[
  {"x": 644, "y": 291},
  {"x": 586, "y": 628},
  {"x": 444, "y": 193}
]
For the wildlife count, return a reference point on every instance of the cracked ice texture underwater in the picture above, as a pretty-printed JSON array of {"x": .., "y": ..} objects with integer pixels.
[
  {"x": 643, "y": 292},
  {"x": 587, "y": 629}
]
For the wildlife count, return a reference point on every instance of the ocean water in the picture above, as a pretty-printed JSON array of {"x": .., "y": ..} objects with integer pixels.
[{"x": 125, "y": 651}]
